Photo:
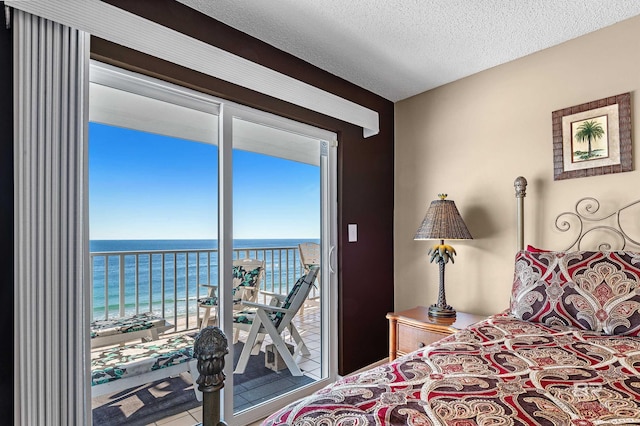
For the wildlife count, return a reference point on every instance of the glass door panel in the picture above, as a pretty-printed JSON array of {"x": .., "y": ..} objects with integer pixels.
[
  {"x": 153, "y": 224},
  {"x": 277, "y": 193}
]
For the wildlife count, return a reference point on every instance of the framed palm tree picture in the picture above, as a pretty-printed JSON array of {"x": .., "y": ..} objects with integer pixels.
[{"x": 593, "y": 138}]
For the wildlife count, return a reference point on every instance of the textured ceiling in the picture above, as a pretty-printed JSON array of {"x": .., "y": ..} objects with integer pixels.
[{"x": 399, "y": 48}]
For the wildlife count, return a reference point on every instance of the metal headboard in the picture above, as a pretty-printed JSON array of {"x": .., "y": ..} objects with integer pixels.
[{"x": 586, "y": 219}]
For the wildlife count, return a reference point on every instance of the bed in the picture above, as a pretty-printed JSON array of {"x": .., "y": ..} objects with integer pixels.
[{"x": 566, "y": 352}]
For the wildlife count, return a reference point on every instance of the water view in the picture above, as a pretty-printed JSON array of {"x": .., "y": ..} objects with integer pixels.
[{"x": 175, "y": 268}]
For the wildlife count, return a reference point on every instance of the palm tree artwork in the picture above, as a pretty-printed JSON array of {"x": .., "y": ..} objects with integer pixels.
[{"x": 589, "y": 131}]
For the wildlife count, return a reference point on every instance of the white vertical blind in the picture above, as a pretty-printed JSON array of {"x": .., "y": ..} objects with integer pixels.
[{"x": 51, "y": 64}]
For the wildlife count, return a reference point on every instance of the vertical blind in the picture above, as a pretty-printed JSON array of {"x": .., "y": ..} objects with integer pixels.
[{"x": 50, "y": 234}]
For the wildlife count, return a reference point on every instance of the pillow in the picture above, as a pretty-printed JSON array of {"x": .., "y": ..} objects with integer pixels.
[
  {"x": 246, "y": 277},
  {"x": 590, "y": 290},
  {"x": 536, "y": 250}
]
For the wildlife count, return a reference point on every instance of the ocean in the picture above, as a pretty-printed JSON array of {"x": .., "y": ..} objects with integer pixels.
[{"x": 136, "y": 273}]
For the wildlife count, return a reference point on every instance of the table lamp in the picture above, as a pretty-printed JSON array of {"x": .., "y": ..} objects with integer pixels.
[{"x": 442, "y": 222}]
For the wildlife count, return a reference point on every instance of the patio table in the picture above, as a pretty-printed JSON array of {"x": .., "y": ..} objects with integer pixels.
[{"x": 145, "y": 326}]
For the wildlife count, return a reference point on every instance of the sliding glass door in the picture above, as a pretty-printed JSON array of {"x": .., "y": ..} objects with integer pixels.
[
  {"x": 204, "y": 212},
  {"x": 278, "y": 177},
  {"x": 276, "y": 193}
]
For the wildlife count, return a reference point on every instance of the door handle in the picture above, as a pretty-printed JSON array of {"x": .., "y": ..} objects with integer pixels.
[{"x": 331, "y": 260}]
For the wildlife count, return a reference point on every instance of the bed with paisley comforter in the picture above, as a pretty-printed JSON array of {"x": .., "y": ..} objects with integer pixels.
[{"x": 566, "y": 352}]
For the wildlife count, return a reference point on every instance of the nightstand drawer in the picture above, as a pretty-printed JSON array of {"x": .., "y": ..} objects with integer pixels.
[
  {"x": 412, "y": 338},
  {"x": 413, "y": 329}
]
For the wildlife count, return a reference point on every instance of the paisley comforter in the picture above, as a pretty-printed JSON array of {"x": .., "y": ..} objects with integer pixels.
[{"x": 502, "y": 371}]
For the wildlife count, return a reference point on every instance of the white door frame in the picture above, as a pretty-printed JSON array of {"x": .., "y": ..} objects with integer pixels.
[{"x": 226, "y": 111}]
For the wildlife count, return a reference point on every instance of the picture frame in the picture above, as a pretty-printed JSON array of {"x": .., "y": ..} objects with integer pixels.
[{"x": 593, "y": 138}]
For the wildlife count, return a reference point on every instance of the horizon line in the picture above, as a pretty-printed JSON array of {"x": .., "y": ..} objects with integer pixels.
[{"x": 196, "y": 239}]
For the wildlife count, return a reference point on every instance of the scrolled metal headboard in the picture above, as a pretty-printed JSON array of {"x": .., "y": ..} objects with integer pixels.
[
  {"x": 586, "y": 218},
  {"x": 588, "y": 221}
]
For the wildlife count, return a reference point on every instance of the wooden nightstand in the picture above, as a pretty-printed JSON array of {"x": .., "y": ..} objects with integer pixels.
[{"x": 414, "y": 328}]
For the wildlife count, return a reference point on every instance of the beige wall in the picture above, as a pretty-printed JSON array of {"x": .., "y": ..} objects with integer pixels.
[{"x": 473, "y": 137}]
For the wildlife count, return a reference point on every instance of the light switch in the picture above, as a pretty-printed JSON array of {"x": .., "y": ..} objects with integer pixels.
[{"x": 353, "y": 232}]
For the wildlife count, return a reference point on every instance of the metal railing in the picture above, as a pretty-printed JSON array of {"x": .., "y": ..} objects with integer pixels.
[{"x": 167, "y": 282}]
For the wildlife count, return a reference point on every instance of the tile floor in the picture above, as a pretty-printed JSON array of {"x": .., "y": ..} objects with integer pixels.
[{"x": 308, "y": 323}]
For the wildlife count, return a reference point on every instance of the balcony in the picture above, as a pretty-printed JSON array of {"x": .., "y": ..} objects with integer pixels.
[{"x": 166, "y": 282}]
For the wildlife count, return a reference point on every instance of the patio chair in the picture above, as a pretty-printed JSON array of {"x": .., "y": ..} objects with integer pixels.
[
  {"x": 247, "y": 277},
  {"x": 309, "y": 256},
  {"x": 273, "y": 320}
]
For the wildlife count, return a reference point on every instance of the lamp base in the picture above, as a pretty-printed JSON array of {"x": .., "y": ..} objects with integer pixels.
[{"x": 442, "y": 311}]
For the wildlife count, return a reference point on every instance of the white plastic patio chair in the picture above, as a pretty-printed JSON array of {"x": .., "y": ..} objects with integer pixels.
[
  {"x": 247, "y": 277},
  {"x": 310, "y": 256},
  {"x": 273, "y": 320}
]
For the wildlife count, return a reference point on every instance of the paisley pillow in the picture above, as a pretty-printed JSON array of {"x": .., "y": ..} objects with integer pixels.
[{"x": 590, "y": 290}]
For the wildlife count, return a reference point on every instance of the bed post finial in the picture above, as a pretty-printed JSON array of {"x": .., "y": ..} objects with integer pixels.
[
  {"x": 210, "y": 347},
  {"x": 521, "y": 191},
  {"x": 521, "y": 187}
]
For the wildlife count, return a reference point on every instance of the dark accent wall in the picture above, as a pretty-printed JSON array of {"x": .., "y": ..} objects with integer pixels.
[
  {"x": 365, "y": 175},
  {"x": 6, "y": 216}
]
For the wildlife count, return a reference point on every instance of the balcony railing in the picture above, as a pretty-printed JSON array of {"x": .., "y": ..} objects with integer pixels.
[{"x": 167, "y": 281}]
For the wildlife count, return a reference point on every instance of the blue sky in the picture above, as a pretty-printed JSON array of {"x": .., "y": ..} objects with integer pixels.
[{"x": 145, "y": 186}]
